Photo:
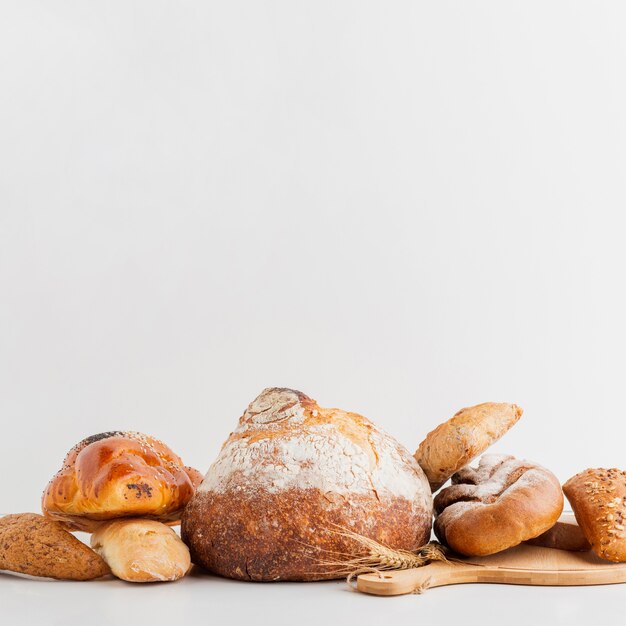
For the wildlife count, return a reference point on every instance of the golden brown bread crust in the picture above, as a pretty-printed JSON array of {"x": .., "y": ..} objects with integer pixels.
[
  {"x": 31, "y": 544},
  {"x": 564, "y": 535},
  {"x": 455, "y": 443},
  {"x": 497, "y": 506},
  {"x": 598, "y": 498},
  {"x": 140, "y": 550},
  {"x": 292, "y": 475},
  {"x": 290, "y": 536},
  {"x": 119, "y": 474}
]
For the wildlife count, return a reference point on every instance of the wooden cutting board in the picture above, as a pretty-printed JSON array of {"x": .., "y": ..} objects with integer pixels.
[{"x": 522, "y": 565}]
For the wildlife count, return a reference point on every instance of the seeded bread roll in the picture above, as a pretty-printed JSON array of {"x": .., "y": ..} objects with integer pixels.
[
  {"x": 141, "y": 550},
  {"x": 455, "y": 443},
  {"x": 119, "y": 474},
  {"x": 497, "y": 506},
  {"x": 598, "y": 498},
  {"x": 31, "y": 544},
  {"x": 290, "y": 479}
]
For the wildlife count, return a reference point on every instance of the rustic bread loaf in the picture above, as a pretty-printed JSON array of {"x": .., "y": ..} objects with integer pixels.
[
  {"x": 118, "y": 474},
  {"x": 455, "y": 443},
  {"x": 31, "y": 544},
  {"x": 598, "y": 498},
  {"x": 496, "y": 506},
  {"x": 289, "y": 478},
  {"x": 566, "y": 534},
  {"x": 141, "y": 550}
]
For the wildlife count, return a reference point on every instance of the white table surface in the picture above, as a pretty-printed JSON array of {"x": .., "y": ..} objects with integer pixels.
[
  {"x": 201, "y": 598},
  {"x": 204, "y": 599}
]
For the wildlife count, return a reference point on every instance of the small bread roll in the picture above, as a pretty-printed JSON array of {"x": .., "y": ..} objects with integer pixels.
[
  {"x": 457, "y": 442},
  {"x": 564, "y": 535},
  {"x": 141, "y": 551}
]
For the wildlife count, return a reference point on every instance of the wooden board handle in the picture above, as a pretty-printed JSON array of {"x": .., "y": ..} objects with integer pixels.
[{"x": 397, "y": 582}]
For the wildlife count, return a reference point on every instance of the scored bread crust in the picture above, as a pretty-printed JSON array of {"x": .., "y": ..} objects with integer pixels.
[
  {"x": 497, "y": 506},
  {"x": 141, "y": 550},
  {"x": 290, "y": 480},
  {"x": 31, "y": 544},
  {"x": 455, "y": 443},
  {"x": 119, "y": 474},
  {"x": 598, "y": 499}
]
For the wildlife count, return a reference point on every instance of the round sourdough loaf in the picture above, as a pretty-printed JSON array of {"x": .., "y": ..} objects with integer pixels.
[{"x": 289, "y": 479}]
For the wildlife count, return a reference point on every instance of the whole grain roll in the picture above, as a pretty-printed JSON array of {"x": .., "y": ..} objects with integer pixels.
[
  {"x": 289, "y": 478},
  {"x": 598, "y": 498},
  {"x": 33, "y": 545}
]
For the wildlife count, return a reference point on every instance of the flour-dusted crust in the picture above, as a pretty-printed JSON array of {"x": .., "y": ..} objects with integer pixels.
[
  {"x": 118, "y": 474},
  {"x": 497, "y": 506},
  {"x": 598, "y": 498},
  {"x": 288, "y": 478},
  {"x": 31, "y": 544},
  {"x": 457, "y": 442}
]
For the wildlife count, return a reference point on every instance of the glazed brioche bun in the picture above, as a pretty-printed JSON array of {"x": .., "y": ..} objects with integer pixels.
[{"x": 119, "y": 474}]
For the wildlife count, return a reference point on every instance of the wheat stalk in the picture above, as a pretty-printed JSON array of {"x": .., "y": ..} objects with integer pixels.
[{"x": 372, "y": 556}]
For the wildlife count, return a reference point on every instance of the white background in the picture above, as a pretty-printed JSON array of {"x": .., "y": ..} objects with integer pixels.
[{"x": 399, "y": 208}]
